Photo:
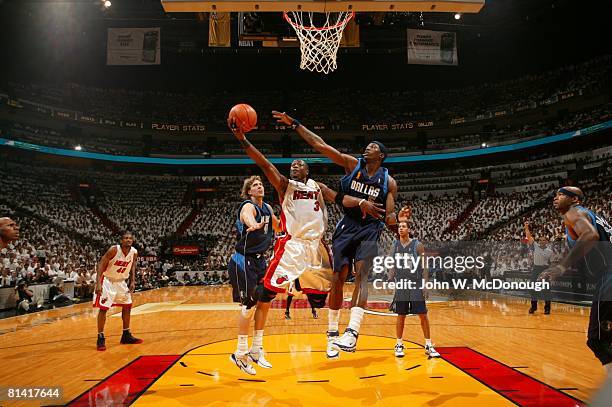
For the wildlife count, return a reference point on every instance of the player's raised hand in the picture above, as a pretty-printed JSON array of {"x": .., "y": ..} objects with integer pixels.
[
  {"x": 233, "y": 126},
  {"x": 256, "y": 226},
  {"x": 404, "y": 214},
  {"x": 282, "y": 117},
  {"x": 375, "y": 210}
]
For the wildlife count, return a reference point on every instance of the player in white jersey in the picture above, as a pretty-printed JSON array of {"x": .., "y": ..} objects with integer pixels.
[
  {"x": 300, "y": 252},
  {"x": 116, "y": 266}
]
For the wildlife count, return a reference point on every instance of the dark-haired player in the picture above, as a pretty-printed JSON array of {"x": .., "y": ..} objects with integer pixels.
[
  {"x": 410, "y": 301},
  {"x": 116, "y": 266},
  {"x": 589, "y": 237},
  {"x": 355, "y": 240}
]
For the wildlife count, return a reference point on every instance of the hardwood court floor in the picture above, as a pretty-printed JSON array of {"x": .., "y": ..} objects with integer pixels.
[{"x": 57, "y": 348}]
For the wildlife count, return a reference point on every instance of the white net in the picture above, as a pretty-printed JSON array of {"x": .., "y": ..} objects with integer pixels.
[{"x": 319, "y": 44}]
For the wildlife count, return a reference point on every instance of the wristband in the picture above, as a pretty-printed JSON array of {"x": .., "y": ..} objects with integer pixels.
[
  {"x": 360, "y": 202},
  {"x": 295, "y": 124}
]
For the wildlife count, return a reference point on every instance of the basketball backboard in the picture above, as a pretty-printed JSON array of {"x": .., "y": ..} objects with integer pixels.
[{"x": 460, "y": 6}]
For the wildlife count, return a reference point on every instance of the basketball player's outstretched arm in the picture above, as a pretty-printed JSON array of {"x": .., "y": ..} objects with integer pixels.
[
  {"x": 102, "y": 265},
  {"x": 348, "y": 162},
  {"x": 247, "y": 216},
  {"x": 367, "y": 207},
  {"x": 587, "y": 239},
  {"x": 278, "y": 181}
]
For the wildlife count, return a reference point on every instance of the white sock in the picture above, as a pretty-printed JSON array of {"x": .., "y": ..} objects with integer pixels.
[
  {"x": 427, "y": 342},
  {"x": 243, "y": 345},
  {"x": 334, "y": 316},
  {"x": 399, "y": 341},
  {"x": 257, "y": 340},
  {"x": 356, "y": 317}
]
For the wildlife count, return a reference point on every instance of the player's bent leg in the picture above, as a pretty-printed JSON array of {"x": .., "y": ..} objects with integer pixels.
[
  {"x": 335, "y": 303},
  {"x": 336, "y": 294},
  {"x": 348, "y": 341},
  {"x": 599, "y": 334},
  {"x": 360, "y": 293},
  {"x": 240, "y": 357},
  {"x": 264, "y": 296}
]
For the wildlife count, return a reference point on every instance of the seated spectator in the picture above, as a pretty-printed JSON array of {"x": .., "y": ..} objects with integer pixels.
[
  {"x": 6, "y": 280},
  {"x": 57, "y": 298},
  {"x": 186, "y": 279},
  {"x": 25, "y": 301},
  {"x": 82, "y": 288}
]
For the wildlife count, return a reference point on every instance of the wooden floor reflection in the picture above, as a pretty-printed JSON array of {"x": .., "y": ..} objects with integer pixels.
[{"x": 57, "y": 348}]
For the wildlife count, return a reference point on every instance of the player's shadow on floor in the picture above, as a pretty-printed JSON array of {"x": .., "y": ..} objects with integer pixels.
[{"x": 352, "y": 363}]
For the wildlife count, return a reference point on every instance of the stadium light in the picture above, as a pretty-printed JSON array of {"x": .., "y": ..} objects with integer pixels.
[
  {"x": 78, "y": 148},
  {"x": 457, "y": 16},
  {"x": 107, "y": 4},
  {"x": 483, "y": 145}
]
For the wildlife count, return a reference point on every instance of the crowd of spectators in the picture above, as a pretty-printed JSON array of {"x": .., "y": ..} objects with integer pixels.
[
  {"x": 339, "y": 110},
  {"x": 338, "y": 106},
  {"x": 62, "y": 238}
]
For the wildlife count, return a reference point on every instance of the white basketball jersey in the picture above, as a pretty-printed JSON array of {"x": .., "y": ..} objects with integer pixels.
[
  {"x": 304, "y": 214},
  {"x": 120, "y": 266}
]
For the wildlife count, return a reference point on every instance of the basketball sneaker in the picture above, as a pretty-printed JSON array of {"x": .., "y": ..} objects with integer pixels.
[
  {"x": 287, "y": 315},
  {"x": 399, "y": 350},
  {"x": 242, "y": 362},
  {"x": 314, "y": 314},
  {"x": 101, "y": 343},
  {"x": 128, "y": 339},
  {"x": 431, "y": 351},
  {"x": 260, "y": 358},
  {"x": 332, "y": 351},
  {"x": 348, "y": 341}
]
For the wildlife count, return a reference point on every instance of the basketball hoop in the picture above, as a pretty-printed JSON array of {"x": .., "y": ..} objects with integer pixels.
[{"x": 319, "y": 45}]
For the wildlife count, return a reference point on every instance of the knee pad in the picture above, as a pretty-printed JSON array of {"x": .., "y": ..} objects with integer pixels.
[
  {"x": 247, "y": 312},
  {"x": 317, "y": 300},
  {"x": 263, "y": 294}
]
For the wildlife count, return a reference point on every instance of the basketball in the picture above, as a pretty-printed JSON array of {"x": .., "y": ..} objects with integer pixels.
[{"x": 244, "y": 116}]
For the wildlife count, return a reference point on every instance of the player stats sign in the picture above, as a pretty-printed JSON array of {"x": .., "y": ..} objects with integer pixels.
[
  {"x": 427, "y": 47},
  {"x": 133, "y": 46}
]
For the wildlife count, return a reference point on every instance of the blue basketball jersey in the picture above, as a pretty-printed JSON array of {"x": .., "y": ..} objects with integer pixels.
[
  {"x": 257, "y": 241},
  {"x": 411, "y": 250},
  {"x": 360, "y": 185},
  {"x": 599, "y": 260}
]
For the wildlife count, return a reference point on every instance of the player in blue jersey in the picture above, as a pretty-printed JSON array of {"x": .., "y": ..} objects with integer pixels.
[
  {"x": 589, "y": 238},
  {"x": 408, "y": 301},
  {"x": 355, "y": 240},
  {"x": 255, "y": 226}
]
